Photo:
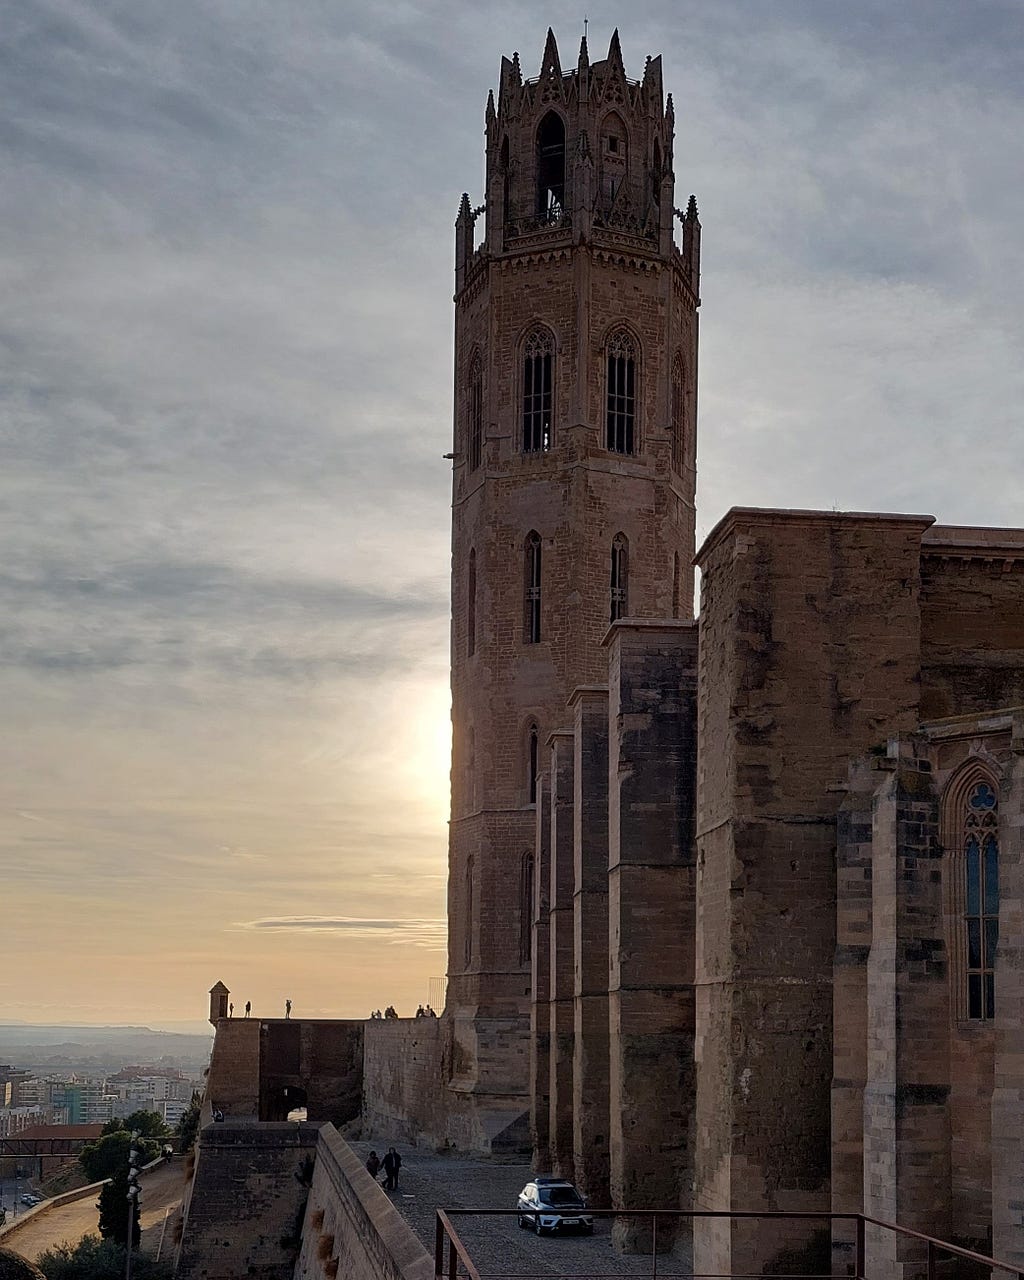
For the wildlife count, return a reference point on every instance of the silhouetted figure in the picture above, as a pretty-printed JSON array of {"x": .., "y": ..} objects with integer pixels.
[
  {"x": 231, "y": 1010},
  {"x": 373, "y": 1165},
  {"x": 391, "y": 1012},
  {"x": 420, "y": 1011},
  {"x": 392, "y": 1163},
  {"x": 430, "y": 1013},
  {"x": 248, "y": 1007},
  {"x": 287, "y": 1008}
]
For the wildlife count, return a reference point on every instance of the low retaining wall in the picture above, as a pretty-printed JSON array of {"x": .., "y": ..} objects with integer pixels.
[
  {"x": 351, "y": 1228},
  {"x": 67, "y": 1197}
]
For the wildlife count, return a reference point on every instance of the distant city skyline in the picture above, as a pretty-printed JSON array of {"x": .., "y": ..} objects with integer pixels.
[{"x": 226, "y": 239}]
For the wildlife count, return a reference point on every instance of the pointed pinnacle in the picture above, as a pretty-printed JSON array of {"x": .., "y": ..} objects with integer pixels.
[
  {"x": 465, "y": 212},
  {"x": 584, "y": 58},
  {"x": 614, "y": 48},
  {"x": 691, "y": 209},
  {"x": 550, "y": 64}
]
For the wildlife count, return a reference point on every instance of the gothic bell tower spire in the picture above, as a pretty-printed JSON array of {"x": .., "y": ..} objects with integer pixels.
[{"x": 573, "y": 492}]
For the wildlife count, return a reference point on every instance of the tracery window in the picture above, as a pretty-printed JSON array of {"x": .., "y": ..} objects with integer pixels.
[
  {"x": 526, "y": 909},
  {"x": 476, "y": 412},
  {"x": 678, "y": 416},
  {"x": 471, "y": 605},
  {"x": 532, "y": 575},
  {"x": 620, "y": 417},
  {"x": 619, "y": 578},
  {"x": 532, "y": 762},
  {"x": 538, "y": 364},
  {"x": 980, "y": 843},
  {"x": 470, "y": 913}
]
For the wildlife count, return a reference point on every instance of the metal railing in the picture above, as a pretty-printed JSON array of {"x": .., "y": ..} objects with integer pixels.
[{"x": 452, "y": 1259}]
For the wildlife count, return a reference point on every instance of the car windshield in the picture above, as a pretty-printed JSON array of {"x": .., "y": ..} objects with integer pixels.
[{"x": 560, "y": 1196}]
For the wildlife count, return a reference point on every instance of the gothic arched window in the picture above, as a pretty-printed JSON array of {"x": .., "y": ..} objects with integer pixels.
[
  {"x": 656, "y": 174},
  {"x": 532, "y": 581},
  {"x": 538, "y": 362},
  {"x": 526, "y": 909},
  {"x": 506, "y": 182},
  {"x": 620, "y": 418},
  {"x": 619, "y": 578},
  {"x": 550, "y": 167},
  {"x": 470, "y": 913},
  {"x": 980, "y": 845},
  {"x": 532, "y": 762},
  {"x": 471, "y": 605},
  {"x": 476, "y": 412},
  {"x": 678, "y": 415}
]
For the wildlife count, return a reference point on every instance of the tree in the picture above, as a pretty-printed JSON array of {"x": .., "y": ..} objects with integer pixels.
[
  {"x": 95, "y": 1259},
  {"x": 108, "y": 1158},
  {"x": 188, "y": 1125}
]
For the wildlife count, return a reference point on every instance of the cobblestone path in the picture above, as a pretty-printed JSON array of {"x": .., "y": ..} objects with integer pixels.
[{"x": 497, "y": 1245}]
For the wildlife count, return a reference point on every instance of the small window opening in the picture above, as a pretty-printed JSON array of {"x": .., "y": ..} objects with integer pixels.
[
  {"x": 613, "y": 143},
  {"x": 621, "y": 394},
  {"x": 538, "y": 359},
  {"x": 550, "y": 168},
  {"x": 476, "y": 413},
  {"x": 531, "y": 630},
  {"x": 619, "y": 585},
  {"x": 532, "y": 763},
  {"x": 678, "y": 416}
]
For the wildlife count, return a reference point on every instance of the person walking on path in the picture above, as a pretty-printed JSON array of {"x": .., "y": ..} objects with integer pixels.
[
  {"x": 373, "y": 1165},
  {"x": 248, "y": 1007},
  {"x": 392, "y": 1164}
]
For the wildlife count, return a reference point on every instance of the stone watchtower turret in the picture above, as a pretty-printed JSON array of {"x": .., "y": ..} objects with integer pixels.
[{"x": 573, "y": 490}]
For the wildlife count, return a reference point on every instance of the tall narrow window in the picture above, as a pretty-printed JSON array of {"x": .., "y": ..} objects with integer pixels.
[
  {"x": 506, "y": 183},
  {"x": 531, "y": 628},
  {"x": 470, "y": 934},
  {"x": 676, "y": 602},
  {"x": 476, "y": 412},
  {"x": 471, "y": 605},
  {"x": 532, "y": 763},
  {"x": 538, "y": 358},
  {"x": 526, "y": 909},
  {"x": 621, "y": 400},
  {"x": 550, "y": 168},
  {"x": 678, "y": 416},
  {"x": 656, "y": 175},
  {"x": 981, "y": 901},
  {"x": 619, "y": 578}
]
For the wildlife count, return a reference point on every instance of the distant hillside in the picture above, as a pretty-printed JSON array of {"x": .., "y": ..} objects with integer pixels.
[{"x": 100, "y": 1048}]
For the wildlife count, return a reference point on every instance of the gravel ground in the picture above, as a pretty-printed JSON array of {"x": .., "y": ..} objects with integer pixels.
[{"x": 497, "y": 1245}]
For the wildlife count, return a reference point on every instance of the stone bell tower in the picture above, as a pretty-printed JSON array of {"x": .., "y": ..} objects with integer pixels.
[{"x": 573, "y": 494}]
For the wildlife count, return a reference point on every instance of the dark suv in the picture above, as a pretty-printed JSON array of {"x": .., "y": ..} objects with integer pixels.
[{"x": 552, "y": 1204}]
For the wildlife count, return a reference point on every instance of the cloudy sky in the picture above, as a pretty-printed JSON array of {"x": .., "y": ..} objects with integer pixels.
[{"x": 225, "y": 346}]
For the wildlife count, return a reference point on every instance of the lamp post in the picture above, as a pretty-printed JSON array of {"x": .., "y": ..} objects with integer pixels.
[{"x": 134, "y": 1198}]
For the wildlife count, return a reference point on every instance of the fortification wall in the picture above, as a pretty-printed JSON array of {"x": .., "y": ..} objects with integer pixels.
[
  {"x": 233, "y": 1085},
  {"x": 247, "y": 1200},
  {"x": 405, "y": 1095},
  {"x": 351, "y": 1228}
]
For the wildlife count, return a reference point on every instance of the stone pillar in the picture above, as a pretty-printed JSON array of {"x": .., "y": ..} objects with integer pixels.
[
  {"x": 810, "y": 655},
  {"x": 540, "y": 1005},
  {"x": 1008, "y": 1091},
  {"x": 906, "y": 1121},
  {"x": 561, "y": 958},
  {"x": 590, "y": 943},
  {"x": 651, "y": 888},
  {"x": 850, "y": 1006}
]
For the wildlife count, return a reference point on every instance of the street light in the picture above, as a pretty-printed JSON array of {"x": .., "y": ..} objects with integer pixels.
[{"x": 134, "y": 1198}]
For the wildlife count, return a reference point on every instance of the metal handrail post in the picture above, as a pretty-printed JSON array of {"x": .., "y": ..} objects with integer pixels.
[
  {"x": 438, "y": 1247},
  {"x": 654, "y": 1246},
  {"x": 453, "y": 1260},
  {"x": 931, "y": 1260},
  {"x": 861, "y": 1263}
]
